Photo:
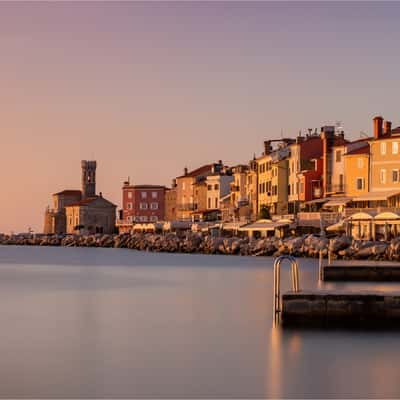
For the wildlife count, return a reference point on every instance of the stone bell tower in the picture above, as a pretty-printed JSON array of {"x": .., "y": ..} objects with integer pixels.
[{"x": 88, "y": 179}]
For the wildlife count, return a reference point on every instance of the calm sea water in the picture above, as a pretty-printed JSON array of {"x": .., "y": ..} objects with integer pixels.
[{"x": 79, "y": 322}]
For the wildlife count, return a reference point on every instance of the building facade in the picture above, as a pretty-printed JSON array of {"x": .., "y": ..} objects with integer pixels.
[
  {"x": 143, "y": 203},
  {"x": 385, "y": 157},
  {"x": 185, "y": 190},
  {"x": 356, "y": 163},
  {"x": 81, "y": 211},
  {"x": 170, "y": 203}
]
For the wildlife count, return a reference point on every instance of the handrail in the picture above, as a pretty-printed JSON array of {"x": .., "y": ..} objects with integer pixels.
[{"x": 277, "y": 281}]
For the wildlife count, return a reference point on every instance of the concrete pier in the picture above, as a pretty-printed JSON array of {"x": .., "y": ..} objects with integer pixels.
[
  {"x": 337, "y": 308},
  {"x": 362, "y": 271}
]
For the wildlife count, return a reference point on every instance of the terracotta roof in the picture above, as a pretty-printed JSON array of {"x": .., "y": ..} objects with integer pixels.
[
  {"x": 395, "y": 130},
  {"x": 88, "y": 200},
  {"x": 69, "y": 192},
  {"x": 82, "y": 202},
  {"x": 361, "y": 150},
  {"x": 205, "y": 169},
  {"x": 144, "y": 187},
  {"x": 339, "y": 141}
]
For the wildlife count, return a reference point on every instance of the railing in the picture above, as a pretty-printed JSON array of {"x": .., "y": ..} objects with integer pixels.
[
  {"x": 335, "y": 188},
  {"x": 314, "y": 218},
  {"x": 277, "y": 282}
]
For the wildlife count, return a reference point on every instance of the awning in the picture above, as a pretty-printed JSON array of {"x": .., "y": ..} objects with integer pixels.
[
  {"x": 361, "y": 216},
  {"x": 263, "y": 225},
  {"x": 387, "y": 217},
  {"x": 338, "y": 202},
  {"x": 316, "y": 201},
  {"x": 377, "y": 196},
  {"x": 177, "y": 225},
  {"x": 336, "y": 227},
  {"x": 231, "y": 226}
]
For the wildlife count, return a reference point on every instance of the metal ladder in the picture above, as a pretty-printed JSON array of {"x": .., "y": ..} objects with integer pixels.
[{"x": 277, "y": 281}]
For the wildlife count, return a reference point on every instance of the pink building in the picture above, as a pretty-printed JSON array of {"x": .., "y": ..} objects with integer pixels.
[{"x": 142, "y": 203}]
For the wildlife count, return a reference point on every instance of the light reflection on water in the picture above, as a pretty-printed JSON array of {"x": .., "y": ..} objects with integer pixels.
[{"x": 113, "y": 323}]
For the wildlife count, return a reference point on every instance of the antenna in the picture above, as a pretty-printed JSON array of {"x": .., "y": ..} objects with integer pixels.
[{"x": 339, "y": 126}]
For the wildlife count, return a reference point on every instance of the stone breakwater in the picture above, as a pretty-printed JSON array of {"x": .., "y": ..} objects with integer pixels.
[{"x": 342, "y": 247}]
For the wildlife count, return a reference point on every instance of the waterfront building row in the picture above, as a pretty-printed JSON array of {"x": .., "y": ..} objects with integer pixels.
[{"x": 320, "y": 172}]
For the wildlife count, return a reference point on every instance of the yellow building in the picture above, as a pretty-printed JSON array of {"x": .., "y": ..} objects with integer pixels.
[
  {"x": 356, "y": 164},
  {"x": 273, "y": 180},
  {"x": 385, "y": 157}
]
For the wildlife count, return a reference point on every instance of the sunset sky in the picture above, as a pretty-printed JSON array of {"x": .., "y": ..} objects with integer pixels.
[{"x": 149, "y": 88}]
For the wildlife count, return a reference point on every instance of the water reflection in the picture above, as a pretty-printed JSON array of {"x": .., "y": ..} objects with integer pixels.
[{"x": 130, "y": 324}]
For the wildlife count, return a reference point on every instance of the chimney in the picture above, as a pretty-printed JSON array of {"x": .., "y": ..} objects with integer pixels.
[
  {"x": 378, "y": 130},
  {"x": 267, "y": 147},
  {"x": 173, "y": 185},
  {"x": 185, "y": 171},
  {"x": 388, "y": 128},
  {"x": 328, "y": 140}
]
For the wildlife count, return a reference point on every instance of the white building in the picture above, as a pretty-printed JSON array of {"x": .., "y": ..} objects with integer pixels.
[{"x": 218, "y": 186}]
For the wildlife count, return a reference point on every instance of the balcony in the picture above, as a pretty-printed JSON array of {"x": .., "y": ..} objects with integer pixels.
[
  {"x": 185, "y": 207},
  {"x": 335, "y": 188}
]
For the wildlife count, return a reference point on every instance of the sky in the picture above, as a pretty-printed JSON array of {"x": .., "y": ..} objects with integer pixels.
[{"x": 149, "y": 88}]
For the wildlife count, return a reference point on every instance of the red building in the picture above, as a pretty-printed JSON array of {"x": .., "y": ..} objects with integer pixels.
[
  {"x": 311, "y": 182},
  {"x": 142, "y": 203}
]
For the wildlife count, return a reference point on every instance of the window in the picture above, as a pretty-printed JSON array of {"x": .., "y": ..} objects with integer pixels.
[
  {"x": 209, "y": 187},
  {"x": 341, "y": 182},
  {"x": 383, "y": 148},
  {"x": 395, "y": 175},
  {"x": 154, "y": 206},
  {"x": 301, "y": 187},
  {"x": 382, "y": 176},
  {"x": 153, "y": 218},
  {"x": 143, "y": 218},
  {"x": 360, "y": 163},
  {"x": 143, "y": 206},
  {"x": 216, "y": 186},
  {"x": 154, "y": 195},
  {"x": 129, "y": 206},
  {"x": 130, "y": 195},
  {"x": 338, "y": 155},
  {"x": 209, "y": 203},
  {"x": 288, "y": 189},
  {"x": 395, "y": 147},
  {"x": 216, "y": 203},
  {"x": 144, "y": 195},
  {"x": 183, "y": 185},
  {"x": 360, "y": 183}
]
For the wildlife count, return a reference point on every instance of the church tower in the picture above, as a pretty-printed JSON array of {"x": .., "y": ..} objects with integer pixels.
[{"x": 88, "y": 179}]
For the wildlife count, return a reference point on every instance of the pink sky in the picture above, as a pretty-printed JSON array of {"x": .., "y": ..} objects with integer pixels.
[{"x": 149, "y": 88}]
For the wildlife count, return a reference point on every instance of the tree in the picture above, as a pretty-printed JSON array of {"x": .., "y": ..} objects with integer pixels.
[{"x": 264, "y": 212}]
